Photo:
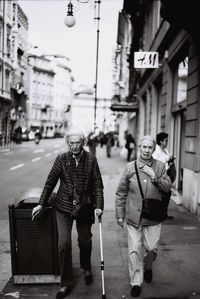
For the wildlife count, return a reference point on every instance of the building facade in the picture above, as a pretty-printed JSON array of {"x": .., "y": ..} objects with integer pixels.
[
  {"x": 49, "y": 95},
  {"x": 13, "y": 45},
  {"x": 122, "y": 104},
  {"x": 18, "y": 82},
  {"x": 82, "y": 113},
  {"x": 166, "y": 98}
]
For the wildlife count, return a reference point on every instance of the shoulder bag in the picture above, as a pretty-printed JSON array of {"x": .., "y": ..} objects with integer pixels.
[{"x": 152, "y": 209}]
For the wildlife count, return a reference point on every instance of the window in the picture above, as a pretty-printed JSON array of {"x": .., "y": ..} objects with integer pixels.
[
  {"x": 8, "y": 41},
  {"x": 1, "y": 34},
  {"x": 7, "y": 83},
  {"x": 1, "y": 87},
  {"x": 180, "y": 81}
]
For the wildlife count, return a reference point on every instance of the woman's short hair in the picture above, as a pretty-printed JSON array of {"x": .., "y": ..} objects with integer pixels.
[
  {"x": 75, "y": 132},
  {"x": 160, "y": 137},
  {"x": 148, "y": 137}
]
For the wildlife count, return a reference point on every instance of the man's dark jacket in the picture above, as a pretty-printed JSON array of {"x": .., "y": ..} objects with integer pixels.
[{"x": 85, "y": 178}]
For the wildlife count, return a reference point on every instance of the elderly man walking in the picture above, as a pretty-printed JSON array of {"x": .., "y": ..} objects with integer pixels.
[
  {"x": 79, "y": 197},
  {"x": 129, "y": 208}
]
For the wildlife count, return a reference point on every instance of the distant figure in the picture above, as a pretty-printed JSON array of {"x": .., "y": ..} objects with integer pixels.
[
  {"x": 38, "y": 136},
  {"x": 102, "y": 139},
  {"x": 161, "y": 153},
  {"x": 109, "y": 143},
  {"x": 130, "y": 146},
  {"x": 92, "y": 143},
  {"x": 18, "y": 135}
]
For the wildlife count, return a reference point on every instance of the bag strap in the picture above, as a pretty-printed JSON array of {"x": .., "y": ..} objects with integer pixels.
[{"x": 138, "y": 179}]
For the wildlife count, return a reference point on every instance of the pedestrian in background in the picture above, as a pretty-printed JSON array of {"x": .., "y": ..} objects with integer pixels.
[
  {"x": 128, "y": 204},
  {"x": 79, "y": 197},
  {"x": 162, "y": 154},
  {"x": 92, "y": 143},
  {"x": 110, "y": 142},
  {"x": 130, "y": 146}
]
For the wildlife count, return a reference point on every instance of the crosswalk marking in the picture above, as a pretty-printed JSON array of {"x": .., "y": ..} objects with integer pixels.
[
  {"x": 8, "y": 153},
  {"x": 4, "y": 150},
  {"x": 36, "y": 159},
  {"x": 40, "y": 150},
  {"x": 17, "y": 166}
]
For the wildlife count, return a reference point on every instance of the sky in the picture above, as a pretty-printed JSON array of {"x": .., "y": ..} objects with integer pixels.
[{"x": 79, "y": 43}]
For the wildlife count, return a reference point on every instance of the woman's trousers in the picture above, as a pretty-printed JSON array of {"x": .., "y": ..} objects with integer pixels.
[
  {"x": 143, "y": 237},
  {"x": 64, "y": 225}
]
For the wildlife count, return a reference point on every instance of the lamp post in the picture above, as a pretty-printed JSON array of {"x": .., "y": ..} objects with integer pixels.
[
  {"x": 97, "y": 62},
  {"x": 70, "y": 22}
]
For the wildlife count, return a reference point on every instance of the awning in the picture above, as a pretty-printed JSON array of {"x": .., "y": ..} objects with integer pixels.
[{"x": 125, "y": 107}]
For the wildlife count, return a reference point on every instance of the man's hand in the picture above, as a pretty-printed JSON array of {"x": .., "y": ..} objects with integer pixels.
[
  {"x": 98, "y": 212},
  {"x": 36, "y": 210},
  {"x": 149, "y": 171},
  {"x": 120, "y": 222}
]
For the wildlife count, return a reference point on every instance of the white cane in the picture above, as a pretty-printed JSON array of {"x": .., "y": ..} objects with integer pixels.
[{"x": 102, "y": 260}]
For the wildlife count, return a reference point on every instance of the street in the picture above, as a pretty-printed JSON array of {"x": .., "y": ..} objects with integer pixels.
[
  {"x": 177, "y": 268},
  {"x": 25, "y": 166}
]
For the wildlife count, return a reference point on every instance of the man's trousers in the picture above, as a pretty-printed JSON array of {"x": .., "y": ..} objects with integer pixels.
[
  {"x": 146, "y": 237},
  {"x": 64, "y": 225}
]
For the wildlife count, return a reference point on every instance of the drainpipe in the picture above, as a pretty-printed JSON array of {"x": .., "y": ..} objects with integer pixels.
[{"x": 3, "y": 45}]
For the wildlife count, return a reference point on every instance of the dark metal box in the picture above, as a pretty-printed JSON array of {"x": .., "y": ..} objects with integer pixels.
[{"x": 34, "y": 253}]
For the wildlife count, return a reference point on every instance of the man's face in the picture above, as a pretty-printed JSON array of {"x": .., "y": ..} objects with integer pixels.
[
  {"x": 146, "y": 149},
  {"x": 75, "y": 144}
]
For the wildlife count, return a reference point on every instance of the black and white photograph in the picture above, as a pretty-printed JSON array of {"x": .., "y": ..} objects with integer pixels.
[{"x": 99, "y": 149}]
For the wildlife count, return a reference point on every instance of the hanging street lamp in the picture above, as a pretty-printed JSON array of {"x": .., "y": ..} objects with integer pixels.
[{"x": 70, "y": 22}]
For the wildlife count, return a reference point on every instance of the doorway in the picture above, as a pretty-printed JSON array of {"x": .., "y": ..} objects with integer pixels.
[{"x": 179, "y": 146}]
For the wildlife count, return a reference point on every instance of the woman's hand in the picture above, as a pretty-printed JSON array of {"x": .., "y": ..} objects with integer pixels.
[
  {"x": 149, "y": 171},
  {"x": 36, "y": 210},
  {"x": 120, "y": 222},
  {"x": 98, "y": 212}
]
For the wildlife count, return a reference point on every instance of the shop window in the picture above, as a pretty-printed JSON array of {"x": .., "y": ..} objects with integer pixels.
[{"x": 181, "y": 76}]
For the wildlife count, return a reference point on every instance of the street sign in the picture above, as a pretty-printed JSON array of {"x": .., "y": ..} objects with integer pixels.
[{"x": 146, "y": 60}]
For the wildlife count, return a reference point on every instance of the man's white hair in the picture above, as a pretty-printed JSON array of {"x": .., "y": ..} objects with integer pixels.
[
  {"x": 75, "y": 132},
  {"x": 148, "y": 137}
]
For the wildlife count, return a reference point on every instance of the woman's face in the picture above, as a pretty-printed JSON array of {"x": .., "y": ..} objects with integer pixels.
[
  {"x": 164, "y": 143},
  {"x": 75, "y": 144},
  {"x": 146, "y": 149}
]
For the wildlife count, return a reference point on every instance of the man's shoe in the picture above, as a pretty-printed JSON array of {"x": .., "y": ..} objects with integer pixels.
[
  {"x": 88, "y": 277},
  {"x": 63, "y": 292},
  {"x": 148, "y": 274},
  {"x": 135, "y": 291}
]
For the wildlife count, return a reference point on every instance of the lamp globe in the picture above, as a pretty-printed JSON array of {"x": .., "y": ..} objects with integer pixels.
[{"x": 69, "y": 21}]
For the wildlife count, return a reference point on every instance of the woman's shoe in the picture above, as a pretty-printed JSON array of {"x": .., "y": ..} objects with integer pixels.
[
  {"x": 148, "y": 275},
  {"x": 63, "y": 292},
  {"x": 135, "y": 291},
  {"x": 88, "y": 277}
]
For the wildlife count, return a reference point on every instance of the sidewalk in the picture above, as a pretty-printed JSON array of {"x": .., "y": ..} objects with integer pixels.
[{"x": 176, "y": 270}]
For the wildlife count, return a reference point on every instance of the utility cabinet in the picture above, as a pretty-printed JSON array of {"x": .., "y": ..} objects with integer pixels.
[{"x": 34, "y": 252}]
